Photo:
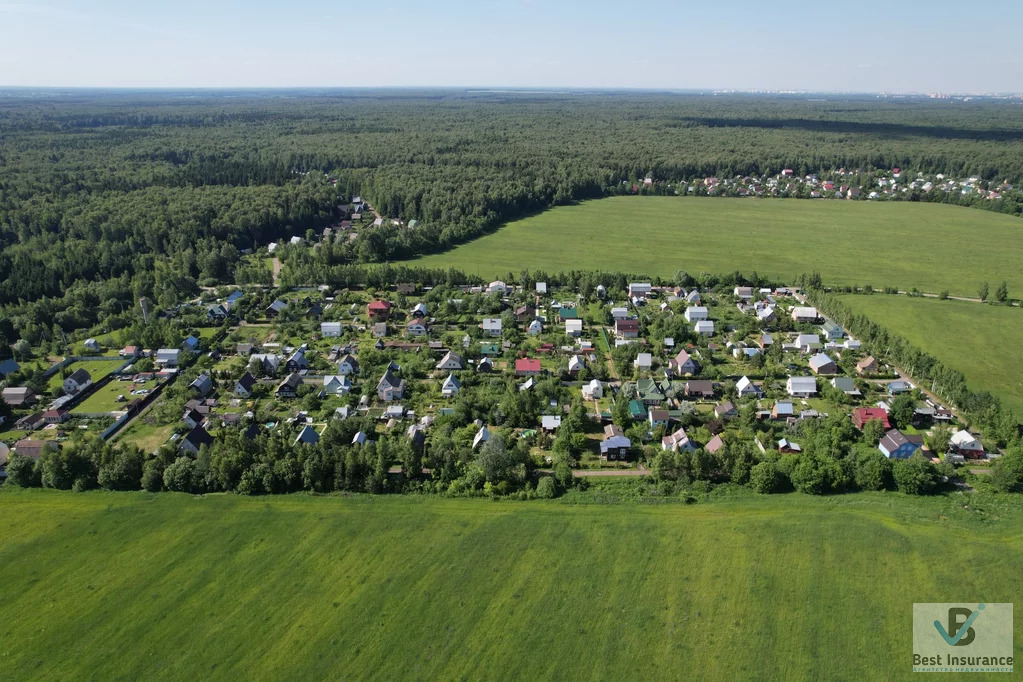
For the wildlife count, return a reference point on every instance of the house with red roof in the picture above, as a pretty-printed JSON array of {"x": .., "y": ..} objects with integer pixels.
[
  {"x": 379, "y": 310},
  {"x": 862, "y": 415},
  {"x": 527, "y": 367}
]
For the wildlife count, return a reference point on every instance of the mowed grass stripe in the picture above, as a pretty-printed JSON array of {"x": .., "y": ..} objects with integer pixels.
[
  {"x": 133, "y": 586},
  {"x": 928, "y": 246},
  {"x": 983, "y": 342}
]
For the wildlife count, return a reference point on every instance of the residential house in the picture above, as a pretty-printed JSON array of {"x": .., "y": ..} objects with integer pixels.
[
  {"x": 405, "y": 287},
  {"x": 57, "y": 416},
  {"x": 34, "y": 449},
  {"x": 77, "y": 381},
  {"x": 482, "y": 436},
  {"x": 348, "y": 365},
  {"x": 574, "y": 327},
  {"x": 535, "y": 327},
  {"x": 787, "y": 447},
  {"x": 593, "y": 390},
  {"x": 846, "y": 385},
  {"x": 490, "y": 349},
  {"x": 268, "y": 363},
  {"x": 897, "y": 445},
  {"x": 805, "y": 314},
  {"x": 307, "y": 436},
  {"x": 744, "y": 293},
  {"x": 330, "y": 330},
  {"x": 378, "y": 330},
  {"x": 288, "y": 388},
  {"x": 491, "y": 326},
  {"x": 243, "y": 387},
  {"x": 128, "y": 352},
  {"x": 808, "y": 343},
  {"x": 714, "y": 444},
  {"x": 783, "y": 409},
  {"x": 822, "y": 364},
  {"x": 275, "y": 309},
  {"x": 541, "y": 288},
  {"x": 202, "y": 386},
  {"x": 450, "y": 387},
  {"x": 615, "y": 447},
  {"x": 191, "y": 343},
  {"x": 527, "y": 367},
  {"x": 379, "y": 309},
  {"x": 244, "y": 349},
  {"x": 619, "y": 313},
  {"x": 216, "y": 312},
  {"x": 699, "y": 388},
  {"x": 420, "y": 311},
  {"x": 20, "y": 396},
  {"x": 801, "y": 387},
  {"x": 168, "y": 357},
  {"x": 704, "y": 327},
  {"x": 497, "y": 287},
  {"x": 678, "y": 440},
  {"x": 694, "y": 298},
  {"x": 627, "y": 329},
  {"x": 963, "y": 443},
  {"x": 683, "y": 363},
  {"x": 485, "y": 365},
  {"x": 193, "y": 418},
  {"x": 297, "y": 361},
  {"x": 745, "y": 388},
  {"x": 726, "y": 410},
  {"x": 451, "y": 361},
  {"x": 567, "y": 312},
  {"x": 658, "y": 417},
  {"x": 867, "y": 365},
  {"x": 195, "y": 439},
  {"x": 575, "y": 364},
  {"x": 640, "y": 289},
  {"x": 897, "y": 387},
  {"x": 831, "y": 331},
  {"x": 524, "y": 313},
  {"x": 550, "y": 423},
  {"x": 643, "y": 361},
  {"x": 92, "y": 345},
  {"x": 862, "y": 415},
  {"x": 696, "y": 313},
  {"x": 336, "y": 384},
  {"x": 765, "y": 341},
  {"x": 360, "y": 438},
  {"x": 390, "y": 387},
  {"x": 416, "y": 327}
]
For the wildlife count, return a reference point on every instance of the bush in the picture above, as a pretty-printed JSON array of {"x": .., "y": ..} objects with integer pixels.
[
  {"x": 765, "y": 478},
  {"x": 546, "y": 489},
  {"x": 1008, "y": 472},
  {"x": 873, "y": 471},
  {"x": 915, "y": 476},
  {"x": 24, "y": 471}
]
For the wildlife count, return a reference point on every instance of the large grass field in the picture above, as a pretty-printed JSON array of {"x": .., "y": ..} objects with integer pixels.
[
  {"x": 984, "y": 342},
  {"x": 137, "y": 586},
  {"x": 928, "y": 246}
]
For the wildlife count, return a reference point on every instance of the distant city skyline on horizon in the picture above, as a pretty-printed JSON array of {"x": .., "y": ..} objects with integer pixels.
[{"x": 913, "y": 49}]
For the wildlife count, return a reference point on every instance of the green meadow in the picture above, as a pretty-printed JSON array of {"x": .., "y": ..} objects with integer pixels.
[
  {"x": 166, "y": 586},
  {"x": 984, "y": 342},
  {"x": 928, "y": 246}
]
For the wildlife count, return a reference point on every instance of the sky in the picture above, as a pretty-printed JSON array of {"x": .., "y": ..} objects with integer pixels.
[{"x": 898, "y": 46}]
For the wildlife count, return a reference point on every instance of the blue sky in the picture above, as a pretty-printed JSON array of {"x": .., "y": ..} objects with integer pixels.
[{"x": 905, "y": 46}]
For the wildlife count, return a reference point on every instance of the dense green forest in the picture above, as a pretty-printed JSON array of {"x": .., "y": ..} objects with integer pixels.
[{"x": 166, "y": 189}]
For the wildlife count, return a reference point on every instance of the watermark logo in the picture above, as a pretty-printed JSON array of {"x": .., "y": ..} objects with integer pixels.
[{"x": 959, "y": 638}]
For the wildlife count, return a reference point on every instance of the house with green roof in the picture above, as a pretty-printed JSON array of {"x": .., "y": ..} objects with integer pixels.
[
  {"x": 490, "y": 349},
  {"x": 637, "y": 410},
  {"x": 568, "y": 313},
  {"x": 649, "y": 392}
]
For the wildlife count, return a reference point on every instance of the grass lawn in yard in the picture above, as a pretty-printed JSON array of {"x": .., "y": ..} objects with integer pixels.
[
  {"x": 105, "y": 399},
  {"x": 899, "y": 244},
  {"x": 96, "y": 368},
  {"x": 984, "y": 342},
  {"x": 147, "y": 435},
  {"x": 169, "y": 586}
]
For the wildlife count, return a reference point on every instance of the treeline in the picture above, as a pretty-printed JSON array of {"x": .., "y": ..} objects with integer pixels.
[
  {"x": 950, "y": 384},
  {"x": 93, "y": 186}
]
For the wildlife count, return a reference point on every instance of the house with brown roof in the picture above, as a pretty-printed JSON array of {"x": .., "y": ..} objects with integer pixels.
[{"x": 867, "y": 365}]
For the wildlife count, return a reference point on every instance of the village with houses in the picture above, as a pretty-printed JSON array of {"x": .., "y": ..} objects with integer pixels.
[{"x": 633, "y": 370}]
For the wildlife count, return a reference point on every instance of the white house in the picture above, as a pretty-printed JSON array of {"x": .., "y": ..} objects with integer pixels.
[
  {"x": 575, "y": 364},
  {"x": 640, "y": 289},
  {"x": 801, "y": 387},
  {"x": 330, "y": 329},
  {"x": 348, "y": 365},
  {"x": 535, "y": 327},
  {"x": 965, "y": 444},
  {"x": 705, "y": 327},
  {"x": 808, "y": 342},
  {"x": 336, "y": 384},
  {"x": 593, "y": 390},
  {"x": 574, "y": 327},
  {"x": 804, "y": 314},
  {"x": 482, "y": 436},
  {"x": 619, "y": 313},
  {"x": 450, "y": 387},
  {"x": 744, "y": 387},
  {"x": 497, "y": 287},
  {"x": 491, "y": 326},
  {"x": 167, "y": 357},
  {"x": 695, "y": 313},
  {"x": 643, "y": 361},
  {"x": 77, "y": 381},
  {"x": 92, "y": 344},
  {"x": 451, "y": 361}
]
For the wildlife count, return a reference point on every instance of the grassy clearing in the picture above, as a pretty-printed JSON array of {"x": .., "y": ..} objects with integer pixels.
[
  {"x": 138, "y": 586},
  {"x": 981, "y": 341},
  {"x": 147, "y": 435},
  {"x": 105, "y": 399},
  {"x": 96, "y": 368},
  {"x": 849, "y": 242}
]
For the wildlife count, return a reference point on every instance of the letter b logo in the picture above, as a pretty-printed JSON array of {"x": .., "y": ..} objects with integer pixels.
[{"x": 957, "y": 618}]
